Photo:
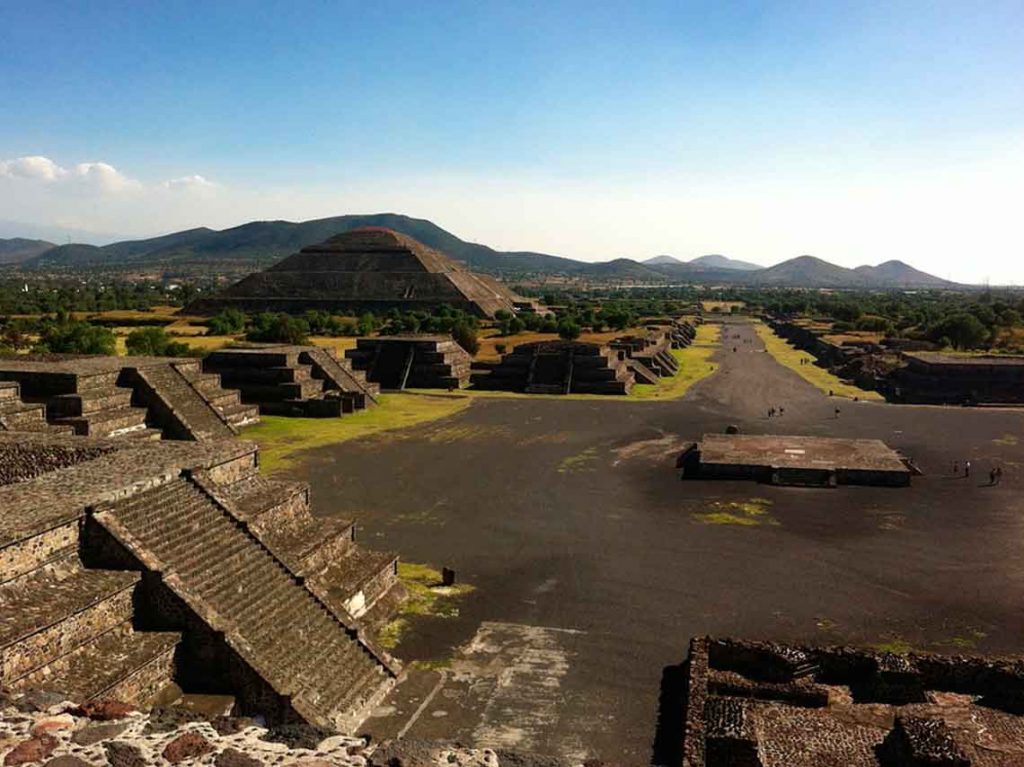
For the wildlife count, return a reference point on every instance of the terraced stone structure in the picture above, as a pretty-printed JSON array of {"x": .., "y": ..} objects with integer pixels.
[
  {"x": 416, "y": 361},
  {"x": 795, "y": 460},
  {"x": 371, "y": 269},
  {"x": 760, "y": 704},
  {"x": 649, "y": 355},
  {"x": 281, "y": 379},
  {"x": 137, "y": 570},
  {"x": 558, "y": 367},
  {"x": 940, "y": 379},
  {"x": 132, "y": 397}
]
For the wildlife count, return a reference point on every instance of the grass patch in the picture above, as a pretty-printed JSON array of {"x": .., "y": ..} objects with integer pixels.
[
  {"x": 427, "y": 597},
  {"x": 281, "y": 438},
  {"x": 1007, "y": 439},
  {"x": 894, "y": 644},
  {"x": 694, "y": 365},
  {"x": 819, "y": 377},
  {"x": 750, "y": 513},
  {"x": 580, "y": 462}
]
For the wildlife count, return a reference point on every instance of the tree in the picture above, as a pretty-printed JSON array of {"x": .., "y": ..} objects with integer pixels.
[
  {"x": 73, "y": 337},
  {"x": 963, "y": 330},
  {"x": 465, "y": 335},
  {"x": 228, "y": 323},
  {"x": 154, "y": 342},
  {"x": 278, "y": 328},
  {"x": 568, "y": 330}
]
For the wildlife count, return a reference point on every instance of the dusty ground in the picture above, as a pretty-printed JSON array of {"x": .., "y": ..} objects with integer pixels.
[{"x": 594, "y": 564}]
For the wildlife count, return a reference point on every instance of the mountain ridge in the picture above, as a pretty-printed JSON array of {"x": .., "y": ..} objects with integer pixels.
[{"x": 259, "y": 243}]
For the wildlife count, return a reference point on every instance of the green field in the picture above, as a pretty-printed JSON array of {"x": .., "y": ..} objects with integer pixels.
[{"x": 281, "y": 438}]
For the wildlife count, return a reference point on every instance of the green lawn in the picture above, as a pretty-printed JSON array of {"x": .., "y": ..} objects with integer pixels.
[
  {"x": 281, "y": 438},
  {"x": 790, "y": 356}
]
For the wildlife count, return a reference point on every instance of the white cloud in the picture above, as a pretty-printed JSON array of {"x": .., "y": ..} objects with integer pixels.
[
  {"x": 33, "y": 167},
  {"x": 188, "y": 182}
]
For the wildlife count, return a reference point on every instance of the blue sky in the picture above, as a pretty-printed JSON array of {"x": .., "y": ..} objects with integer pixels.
[{"x": 856, "y": 132}]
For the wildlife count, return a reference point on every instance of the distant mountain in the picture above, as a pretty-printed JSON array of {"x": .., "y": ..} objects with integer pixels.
[
  {"x": 701, "y": 262},
  {"x": 722, "y": 262},
  {"x": 900, "y": 275},
  {"x": 259, "y": 243},
  {"x": 17, "y": 249},
  {"x": 807, "y": 272},
  {"x": 661, "y": 261}
]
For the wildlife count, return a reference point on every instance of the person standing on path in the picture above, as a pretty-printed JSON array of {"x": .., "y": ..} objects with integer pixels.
[{"x": 967, "y": 469}]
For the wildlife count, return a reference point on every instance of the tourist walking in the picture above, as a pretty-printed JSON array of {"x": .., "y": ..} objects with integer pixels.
[{"x": 967, "y": 468}]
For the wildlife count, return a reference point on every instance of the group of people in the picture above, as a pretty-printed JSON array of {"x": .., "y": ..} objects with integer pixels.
[
  {"x": 995, "y": 474},
  {"x": 776, "y": 411}
]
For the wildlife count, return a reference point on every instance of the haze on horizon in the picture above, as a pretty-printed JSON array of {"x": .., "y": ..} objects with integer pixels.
[{"x": 854, "y": 133}]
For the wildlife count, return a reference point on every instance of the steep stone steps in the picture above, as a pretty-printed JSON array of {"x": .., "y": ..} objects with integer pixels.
[
  {"x": 50, "y": 613},
  {"x": 339, "y": 374},
  {"x": 229, "y": 579},
  {"x": 174, "y": 403},
  {"x": 227, "y": 402},
  {"x": 120, "y": 664}
]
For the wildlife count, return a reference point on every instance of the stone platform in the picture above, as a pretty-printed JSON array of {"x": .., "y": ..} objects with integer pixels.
[
  {"x": 794, "y": 460},
  {"x": 130, "y": 566},
  {"x": 760, "y": 704},
  {"x": 137, "y": 397},
  {"x": 558, "y": 367},
  {"x": 283, "y": 379},
  {"x": 412, "y": 361}
]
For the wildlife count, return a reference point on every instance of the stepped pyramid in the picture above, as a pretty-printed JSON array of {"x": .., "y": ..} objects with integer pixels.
[
  {"x": 142, "y": 570},
  {"x": 370, "y": 269}
]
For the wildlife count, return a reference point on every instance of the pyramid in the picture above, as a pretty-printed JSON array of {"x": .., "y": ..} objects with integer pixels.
[{"x": 371, "y": 269}]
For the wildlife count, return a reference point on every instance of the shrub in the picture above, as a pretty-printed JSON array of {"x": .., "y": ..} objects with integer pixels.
[
  {"x": 227, "y": 323},
  {"x": 154, "y": 342},
  {"x": 568, "y": 330},
  {"x": 278, "y": 328},
  {"x": 466, "y": 337}
]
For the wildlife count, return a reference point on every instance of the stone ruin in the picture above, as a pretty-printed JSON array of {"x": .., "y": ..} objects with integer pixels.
[
  {"x": 142, "y": 571},
  {"x": 413, "y": 361},
  {"x": 557, "y": 367},
  {"x": 283, "y": 379},
  {"x": 797, "y": 460},
  {"x": 951, "y": 379},
  {"x": 132, "y": 397},
  {"x": 649, "y": 355},
  {"x": 371, "y": 269},
  {"x": 760, "y": 704}
]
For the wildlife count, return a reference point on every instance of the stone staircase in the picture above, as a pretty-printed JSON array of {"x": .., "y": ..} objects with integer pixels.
[
  {"x": 70, "y": 629},
  {"x": 100, "y": 409},
  {"x": 175, "y": 403},
  {"x": 16, "y": 415},
  {"x": 321, "y": 550},
  {"x": 292, "y": 380},
  {"x": 415, "y": 361},
  {"x": 241, "y": 589},
  {"x": 339, "y": 375},
  {"x": 227, "y": 402}
]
